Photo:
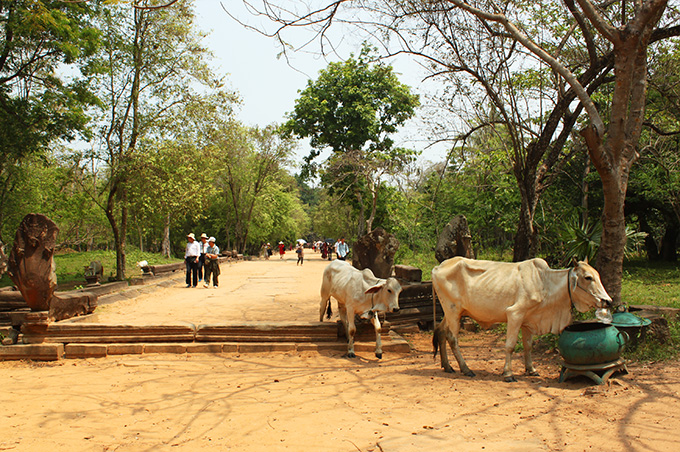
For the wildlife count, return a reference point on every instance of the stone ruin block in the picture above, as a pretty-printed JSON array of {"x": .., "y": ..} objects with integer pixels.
[
  {"x": 408, "y": 273},
  {"x": 376, "y": 251},
  {"x": 455, "y": 240}
]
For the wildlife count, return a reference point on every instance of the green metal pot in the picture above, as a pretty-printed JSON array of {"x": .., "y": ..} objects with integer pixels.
[
  {"x": 591, "y": 343},
  {"x": 635, "y": 327}
]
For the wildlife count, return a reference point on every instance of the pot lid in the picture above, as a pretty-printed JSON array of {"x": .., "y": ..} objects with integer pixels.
[{"x": 625, "y": 319}]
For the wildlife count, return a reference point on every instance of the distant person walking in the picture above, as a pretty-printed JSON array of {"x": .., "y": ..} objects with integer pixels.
[
  {"x": 266, "y": 251},
  {"x": 191, "y": 256},
  {"x": 282, "y": 250},
  {"x": 212, "y": 263},
  {"x": 300, "y": 253},
  {"x": 341, "y": 249}
]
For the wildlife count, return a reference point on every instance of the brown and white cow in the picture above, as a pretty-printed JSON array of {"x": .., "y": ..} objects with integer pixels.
[
  {"x": 528, "y": 296},
  {"x": 358, "y": 292}
]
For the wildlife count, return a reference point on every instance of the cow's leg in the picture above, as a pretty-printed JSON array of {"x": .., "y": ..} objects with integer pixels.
[
  {"x": 439, "y": 343},
  {"x": 527, "y": 342},
  {"x": 452, "y": 337},
  {"x": 350, "y": 329},
  {"x": 510, "y": 342},
  {"x": 325, "y": 305},
  {"x": 378, "y": 340}
]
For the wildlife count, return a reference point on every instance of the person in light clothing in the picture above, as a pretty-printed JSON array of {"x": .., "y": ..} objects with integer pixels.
[
  {"x": 212, "y": 264},
  {"x": 342, "y": 249},
  {"x": 191, "y": 256}
]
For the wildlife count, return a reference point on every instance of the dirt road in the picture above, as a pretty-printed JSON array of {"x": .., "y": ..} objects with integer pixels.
[
  {"x": 249, "y": 291},
  {"x": 319, "y": 402}
]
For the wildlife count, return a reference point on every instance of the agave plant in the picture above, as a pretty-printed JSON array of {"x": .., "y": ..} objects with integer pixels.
[{"x": 583, "y": 239}]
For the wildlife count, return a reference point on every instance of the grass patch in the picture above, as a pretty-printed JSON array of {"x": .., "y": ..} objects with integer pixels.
[
  {"x": 653, "y": 350},
  {"x": 653, "y": 283},
  {"x": 70, "y": 266}
]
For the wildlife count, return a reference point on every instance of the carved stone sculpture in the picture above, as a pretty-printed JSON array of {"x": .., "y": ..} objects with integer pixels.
[
  {"x": 31, "y": 263},
  {"x": 455, "y": 240},
  {"x": 376, "y": 251}
]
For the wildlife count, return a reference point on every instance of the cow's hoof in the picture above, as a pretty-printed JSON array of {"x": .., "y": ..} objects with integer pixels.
[
  {"x": 510, "y": 379},
  {"x": 533, "y": 373},
  {"x": 351, "y": 355},
  {"x": 378, "y": 355},
  {"x": 449, "y": 370},
  {"x": 470, "y": 374}
]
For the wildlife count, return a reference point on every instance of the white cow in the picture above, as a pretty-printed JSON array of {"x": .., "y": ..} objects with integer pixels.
[
  {"x": 358, "y": 292},
  {"x": 528, "y": 295}
]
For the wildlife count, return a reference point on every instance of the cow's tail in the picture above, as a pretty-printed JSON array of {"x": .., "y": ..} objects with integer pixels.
[
  {"x": 434, "y": 308},
  {"x": 435, "y": 341},
  {"x": 329, "y": 310}
]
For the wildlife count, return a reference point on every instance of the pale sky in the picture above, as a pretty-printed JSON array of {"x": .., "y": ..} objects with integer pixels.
[{"x": 267, "y": 85}]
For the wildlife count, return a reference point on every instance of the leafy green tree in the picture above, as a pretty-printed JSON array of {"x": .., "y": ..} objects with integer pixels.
[
  {"x": 173, "y": 171},
  {"x": 352, "y": 109},
  {"x": 654, "y": 188},
  {"x": 148, "y": 62},
  {"x": 37, "y": 105},
  {"x": 332, "y": 219},
  {"x": 248, "y": 161},
  {"x": 612, "y": 37}
]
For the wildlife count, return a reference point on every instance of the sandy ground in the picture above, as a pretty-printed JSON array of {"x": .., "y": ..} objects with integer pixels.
[{"x": 319, "y": 402}]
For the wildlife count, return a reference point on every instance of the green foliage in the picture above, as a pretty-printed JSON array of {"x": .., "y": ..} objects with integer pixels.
[
  {"x": 332, "y": 219},
  {"x": 352, "y": 109},
  {"x": 352, "y": 104},
  {"x": 36, "y": 106}
]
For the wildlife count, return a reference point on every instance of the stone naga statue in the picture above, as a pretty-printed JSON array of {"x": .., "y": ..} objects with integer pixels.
[{"x": 31, "y": 263}]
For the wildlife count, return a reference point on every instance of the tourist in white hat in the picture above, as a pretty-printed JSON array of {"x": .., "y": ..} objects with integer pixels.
[
  {"x": 212, "y": 264},
  {"x": 191, "y": 255}
]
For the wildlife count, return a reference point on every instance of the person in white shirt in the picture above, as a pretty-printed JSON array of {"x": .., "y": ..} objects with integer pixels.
[
  {"x": 341, "y": 249},
  {"x": 191, "y": 256}
]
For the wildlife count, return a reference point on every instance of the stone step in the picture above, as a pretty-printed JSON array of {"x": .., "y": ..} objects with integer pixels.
[
  {"x": 105, "y": 333},
  {"x": 275, "y": 332},
  {"x": 393, "y": 343},
  {"x": 40, "y": 331}
]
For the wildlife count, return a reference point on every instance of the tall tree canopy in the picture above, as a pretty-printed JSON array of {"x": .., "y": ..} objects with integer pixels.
[
  {"x": 353, "y": 108},
  {"x": 144, "y": 72},
  {"x": 36, "y": 104},
  {"x": 618, "y": 32}
]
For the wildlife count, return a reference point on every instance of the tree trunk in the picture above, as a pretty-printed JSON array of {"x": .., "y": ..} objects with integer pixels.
[
  {"x": 362, "y": 215},
  {"x": 525, "y": 238},
  {"x": 650, "y": 243},
  {"x": 584, "y": 191},
  {"x": 614, "y": 157},
  {"x": 613, "y": 243},
  {"x": 165, "y": 245},
  {"x": 668, "y": 243}
]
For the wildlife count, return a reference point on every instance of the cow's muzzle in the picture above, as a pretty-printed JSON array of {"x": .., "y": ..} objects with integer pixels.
[
  {"x": 395, "y": 310},
  {"x": 606, "y": 302}
]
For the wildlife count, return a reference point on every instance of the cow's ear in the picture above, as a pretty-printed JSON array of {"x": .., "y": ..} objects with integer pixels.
[
  {"x": 374, "y": 289},
  {"x": 585, "y": 259}
]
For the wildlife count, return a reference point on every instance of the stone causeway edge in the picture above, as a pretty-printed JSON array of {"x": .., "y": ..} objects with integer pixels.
[{"x": 49, "y": 351}]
